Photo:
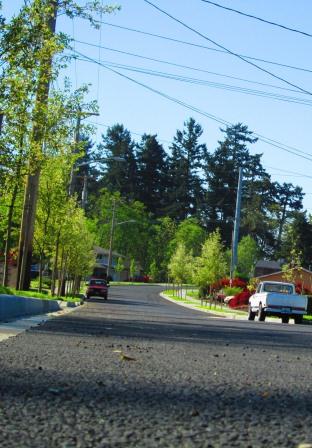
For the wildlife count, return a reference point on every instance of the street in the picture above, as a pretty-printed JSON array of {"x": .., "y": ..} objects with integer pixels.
[{"x": 139, "y": 371}]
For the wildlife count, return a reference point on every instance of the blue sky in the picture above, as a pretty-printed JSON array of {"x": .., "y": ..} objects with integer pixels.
[{"x": 141, "y": 111}]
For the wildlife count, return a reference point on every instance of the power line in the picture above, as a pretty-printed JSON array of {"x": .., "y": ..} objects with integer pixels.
[
  {"x": 186, "y": 66},
  {"x": 134, "y": 133},
  {"x": 289, "y": 172},
  {"x": 219, "y": 120},
  {"x": 159, "y": 36},
  {"x": 226, "y": 49},
  {"x": 197, "y": 81},
  {"x": 287, "y": 28}
]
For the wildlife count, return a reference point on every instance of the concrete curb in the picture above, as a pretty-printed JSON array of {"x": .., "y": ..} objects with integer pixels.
[{"x": 14, "y": 307}]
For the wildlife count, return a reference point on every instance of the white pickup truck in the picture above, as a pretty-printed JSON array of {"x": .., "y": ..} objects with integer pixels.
[{"x": 277, "y": 299}]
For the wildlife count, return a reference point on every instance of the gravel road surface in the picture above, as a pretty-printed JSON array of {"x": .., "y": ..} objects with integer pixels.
[{"x": 138, "y": 371}]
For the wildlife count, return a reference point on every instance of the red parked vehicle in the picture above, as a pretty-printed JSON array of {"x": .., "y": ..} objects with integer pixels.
[{"x": 97, "y": 288}]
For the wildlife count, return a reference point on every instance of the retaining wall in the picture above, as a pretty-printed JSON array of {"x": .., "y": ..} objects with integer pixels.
[{"x": 12, "y": 307}]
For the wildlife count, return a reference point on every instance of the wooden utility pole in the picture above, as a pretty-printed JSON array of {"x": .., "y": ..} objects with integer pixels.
[
  {"x": 37, "y": 140},
  {"x": 111, "y": 239},
  {"x": 236, "y": 224}
]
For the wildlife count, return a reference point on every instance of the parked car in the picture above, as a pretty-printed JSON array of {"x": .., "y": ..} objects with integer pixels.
[
  {"x": 97, "y": 288},
  {"x": 277, "y": 299}
]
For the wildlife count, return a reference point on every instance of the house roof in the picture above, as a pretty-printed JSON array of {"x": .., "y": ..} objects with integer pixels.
[
  {"x": 101, "y": 251},
  {"x": 268, "y": 264},
  {"x": 281, "y": 272}
]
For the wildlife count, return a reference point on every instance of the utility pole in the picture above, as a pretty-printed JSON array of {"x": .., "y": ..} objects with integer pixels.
[
  {"x": 84, "y": 195},
  {"x": 37, "y": 139},
  {"x": 236, "y": 224},
  {"x": 110, "y": 252}
]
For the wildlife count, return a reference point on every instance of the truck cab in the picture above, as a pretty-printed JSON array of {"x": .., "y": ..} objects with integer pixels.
[{"x": 277, "y": 299}]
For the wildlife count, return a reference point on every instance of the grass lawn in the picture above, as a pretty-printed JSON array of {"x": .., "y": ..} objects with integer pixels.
[
  {"x": 35, "y": 295},
  {"x": 196, "y": 302}
]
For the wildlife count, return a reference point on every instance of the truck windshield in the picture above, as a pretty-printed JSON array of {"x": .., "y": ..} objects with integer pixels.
[{"x": 274, "y": 287}]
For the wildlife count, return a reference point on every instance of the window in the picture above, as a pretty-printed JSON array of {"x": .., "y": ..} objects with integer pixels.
[{"x": 279, "y": 288}]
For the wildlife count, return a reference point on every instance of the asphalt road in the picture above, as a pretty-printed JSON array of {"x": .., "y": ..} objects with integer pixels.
[{"x": 138, "y": 371}]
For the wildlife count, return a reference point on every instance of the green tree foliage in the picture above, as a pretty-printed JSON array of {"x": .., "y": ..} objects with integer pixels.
[
  {"x": 288, "y": 200},
  {"x": 221, "y": 172},
  {"x": 248, "y": 254},
  {"x": 152, "y": 174},
  {"x": 132, "y": 226},
  {"x": 119, "y": 266},
  {"x": 181, "y": 265},
  {"x": 211, "y": 265},
  {"x": 159, "y": 247},
  {"x": 119, "y": 176},
  {"x": 185, "y": 189},
  {"x": 298, "y": 237},
  {"x": 191, "y": 234}
]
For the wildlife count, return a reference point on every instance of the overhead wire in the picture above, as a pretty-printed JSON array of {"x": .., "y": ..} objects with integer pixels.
[
  {"x": 269, "y": 22},
  {"x": 269, "y": 141},
  {"x": 226, "y": 49},
  {"x": 197, "y": 81},
  {"x": 187, "y": 67},
  {"x": 159, "y": 36},
  {"x": 134, "y": 133}
]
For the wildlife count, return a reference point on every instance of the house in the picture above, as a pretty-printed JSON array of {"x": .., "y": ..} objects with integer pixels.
[
  {"x": 264, "y": 267},
  {"x": 302, "y": 276},
  {"x": 101, "y": 263}
]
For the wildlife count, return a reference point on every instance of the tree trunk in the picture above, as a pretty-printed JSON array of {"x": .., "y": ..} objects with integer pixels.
[
  {"x": 40, "y": 271},
  {"x": 32, "y": 186},
  {"x": 8, "y": 236},
  {"x": 55, "y": 262}
]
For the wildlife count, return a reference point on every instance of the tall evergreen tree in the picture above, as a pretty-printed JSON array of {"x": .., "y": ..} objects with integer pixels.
[
  {"x": 288, "y": 200},
  {"x": 119, "y": 175},
  {"x": 297, "y": 236},
  {"x": 152, "y": 174},
  {"x": 221, "y": 172},
  {"x": 186, "y": 192}
]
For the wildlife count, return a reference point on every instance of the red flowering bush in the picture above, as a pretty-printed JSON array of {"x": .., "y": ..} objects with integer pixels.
[
  {"x": 240, "y": 300},
  {"x": 301, "y": 290},
  {"x": 236, "y": 282}
]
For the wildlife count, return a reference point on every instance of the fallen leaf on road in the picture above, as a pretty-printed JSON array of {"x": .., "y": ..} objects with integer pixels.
[{"x": 124, "y": 357}]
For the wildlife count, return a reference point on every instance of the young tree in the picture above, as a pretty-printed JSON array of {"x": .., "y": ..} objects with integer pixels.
[
  {"x": 211, "y": 265},
  {"x": 248, "y": 253},
  {"x": 160, "y": 249},
  {"x": 181, "y": 265},
  {"x": 30, "y": 45},
  {"x": 191, "y": 234},
  {"x": 119, "y": 266}
]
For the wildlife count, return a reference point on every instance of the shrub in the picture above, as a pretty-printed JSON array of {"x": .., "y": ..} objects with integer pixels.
[
  {"x": 232, "y": 291},
  {"x": 240, "y": 300}
]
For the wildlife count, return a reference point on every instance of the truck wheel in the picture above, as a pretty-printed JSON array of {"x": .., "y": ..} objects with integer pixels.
[
  {"x": 298, "y": 319},
  {"x": 261, "y": 314},
  {"x": 285, "y": 319},
  {"x": 105, "y": 297},
  {"x": 251, "y": 314}
]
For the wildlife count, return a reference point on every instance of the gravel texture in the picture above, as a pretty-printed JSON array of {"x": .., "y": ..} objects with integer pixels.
[{"x": 138, "y": 371}]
